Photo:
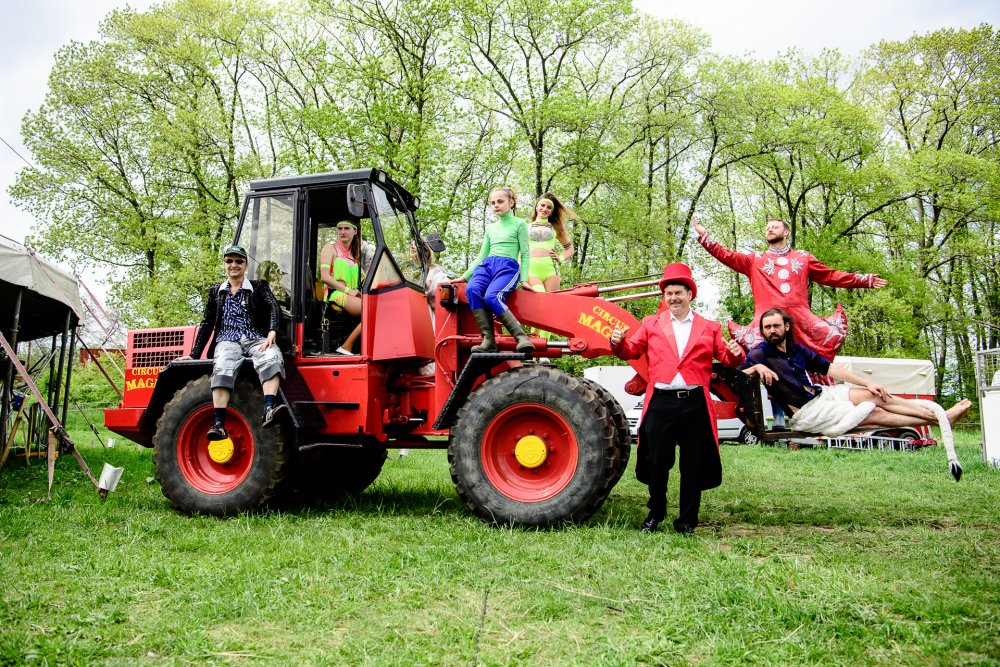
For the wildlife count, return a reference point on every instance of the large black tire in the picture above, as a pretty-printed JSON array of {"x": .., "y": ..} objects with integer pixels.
[
  {"x": 533, "y": 410},
  {"x": 623, "y": 433},
  {"x": 329, "y": 473},
  {"x": 195, "y": 482}
]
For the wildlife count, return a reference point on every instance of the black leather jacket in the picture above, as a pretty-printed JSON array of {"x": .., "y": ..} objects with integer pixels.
[{"x": 262, "y": 308}]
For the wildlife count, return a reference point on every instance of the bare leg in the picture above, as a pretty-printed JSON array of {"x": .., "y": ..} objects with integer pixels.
[
  {"x": 899, "y": 406},
  {"x": 534, "y": 283},
  {"x": 881, "y": 417},
  {"x": 552, "y": 283},
  {"x": 958, "y": 410},
  {"x": 220, "y": 397},
  {"x": 270, "y": 386},
  {"x": 349, "y": 343}
]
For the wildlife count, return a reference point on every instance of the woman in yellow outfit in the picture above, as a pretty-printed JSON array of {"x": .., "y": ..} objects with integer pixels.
[
  {"x": 549, "y": 242},
  {"x": 340, "y": 271}
]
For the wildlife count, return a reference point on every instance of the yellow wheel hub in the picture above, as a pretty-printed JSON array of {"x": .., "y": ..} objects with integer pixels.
[
  {"x": 530, "y": 451},
  {"x": 221, "y": 451}
]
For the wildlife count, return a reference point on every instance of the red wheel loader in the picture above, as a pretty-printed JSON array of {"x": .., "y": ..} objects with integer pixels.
[{"x": 527, "y": 444}]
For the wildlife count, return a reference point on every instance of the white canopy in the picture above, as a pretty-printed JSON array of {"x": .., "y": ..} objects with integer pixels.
[
  {"x": 898, "y": 376},
  {"x": 47, "y": 294}
]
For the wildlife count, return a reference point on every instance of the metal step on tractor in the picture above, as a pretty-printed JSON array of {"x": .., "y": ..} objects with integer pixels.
[{"x": 527, "y": 444}]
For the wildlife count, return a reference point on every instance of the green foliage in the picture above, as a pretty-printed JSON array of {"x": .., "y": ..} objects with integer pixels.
[{"x": 886, "y": 164}]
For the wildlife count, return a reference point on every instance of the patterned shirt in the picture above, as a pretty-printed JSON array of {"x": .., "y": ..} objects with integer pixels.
[{"x": 236, "y": 322}]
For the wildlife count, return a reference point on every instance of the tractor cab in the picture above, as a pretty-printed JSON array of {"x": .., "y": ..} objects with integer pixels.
[{"x": 284, "y": 226}]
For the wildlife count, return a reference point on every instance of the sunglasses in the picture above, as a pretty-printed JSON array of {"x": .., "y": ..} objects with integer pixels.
[{"x": 233, "y": 260}]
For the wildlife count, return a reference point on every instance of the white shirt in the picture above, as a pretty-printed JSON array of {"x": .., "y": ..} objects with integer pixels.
[{"x": 682, "y": 332}]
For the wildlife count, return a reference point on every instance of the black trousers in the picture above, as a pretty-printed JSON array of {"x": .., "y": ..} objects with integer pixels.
[{"x": 678, "y": 419}]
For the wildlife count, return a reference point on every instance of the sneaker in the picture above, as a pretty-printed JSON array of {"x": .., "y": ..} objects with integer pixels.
[
  {"x": 341, "y": 350},
  {"x": 272, "y": 415},
  {"x": 217, "y": 432}
]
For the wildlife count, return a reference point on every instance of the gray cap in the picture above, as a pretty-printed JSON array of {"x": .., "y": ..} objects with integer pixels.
[
  {"x": 237, "y": 250},
  {"x": 434, "y": 241}
]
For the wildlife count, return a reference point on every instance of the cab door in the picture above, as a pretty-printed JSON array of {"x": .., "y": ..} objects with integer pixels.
[{"x": 397, "y": 322}]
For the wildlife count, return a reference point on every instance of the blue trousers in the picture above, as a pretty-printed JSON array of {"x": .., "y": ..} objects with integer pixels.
[{"x": 491, "y": 282}]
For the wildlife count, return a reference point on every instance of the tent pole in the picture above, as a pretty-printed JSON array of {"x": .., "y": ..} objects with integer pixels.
[
  {"x": 69, "y": 375},
  {"x": 52, "y": 369},
  {"x": 8, "y": 371},
  {"x": 62, "y": 360}
]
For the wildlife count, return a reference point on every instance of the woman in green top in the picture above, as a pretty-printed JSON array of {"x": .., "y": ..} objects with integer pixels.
[
  {"x": 549, "y": 241},
  {"x": 340, "y": 271},
  {"x": 495, "y": 273}
]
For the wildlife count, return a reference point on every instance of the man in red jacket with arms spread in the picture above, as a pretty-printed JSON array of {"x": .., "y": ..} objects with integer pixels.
[
  {"x": 678, "y": 410},
  {"x": 779, "y": 278}
]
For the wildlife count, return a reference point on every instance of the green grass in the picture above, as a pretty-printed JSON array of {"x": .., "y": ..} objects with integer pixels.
[{"x": 804, "y": 557}]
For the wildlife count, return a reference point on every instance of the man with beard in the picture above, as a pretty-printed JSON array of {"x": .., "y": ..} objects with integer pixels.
[
  {"x": 779, "y": 277},
  {"x": 783, "y": 365},
  {"x": 677, "y": 411}
]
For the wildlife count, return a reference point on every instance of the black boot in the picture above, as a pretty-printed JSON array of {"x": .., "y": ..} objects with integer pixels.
[
  {"x": 523, "y": 343},
  {"x": 484, "y": 318}
]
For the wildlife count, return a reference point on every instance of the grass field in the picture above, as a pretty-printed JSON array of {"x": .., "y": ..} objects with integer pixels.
[{"x": 803, "y": 557}]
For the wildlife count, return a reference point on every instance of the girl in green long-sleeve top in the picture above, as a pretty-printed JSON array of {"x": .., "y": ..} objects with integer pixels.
[{"x": 496, "y": 272}]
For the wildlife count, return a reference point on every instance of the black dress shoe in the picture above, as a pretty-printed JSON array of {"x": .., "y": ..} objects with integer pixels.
[
  {"x": 684, "y": 528},
  {"x": 650, "y": 524},
  {"x": 217, "y": 432}
]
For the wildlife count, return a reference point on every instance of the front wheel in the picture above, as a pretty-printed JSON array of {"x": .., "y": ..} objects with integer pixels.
[
  {"x": 534, "y": 447},
  {"x": 622, "y": 430},
  {"x": 238, "y": 474}
]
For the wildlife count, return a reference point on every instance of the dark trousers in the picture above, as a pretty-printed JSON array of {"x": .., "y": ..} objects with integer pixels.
[{"x": 678, "y": 419}]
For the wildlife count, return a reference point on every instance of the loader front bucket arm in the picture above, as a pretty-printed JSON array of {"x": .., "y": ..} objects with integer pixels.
[{"x": 580, "y": 315}]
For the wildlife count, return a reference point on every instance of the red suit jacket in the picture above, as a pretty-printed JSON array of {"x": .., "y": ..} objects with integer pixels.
[
  {"x": 782, "y": 281},
  {"x": 655, "y": 338}
]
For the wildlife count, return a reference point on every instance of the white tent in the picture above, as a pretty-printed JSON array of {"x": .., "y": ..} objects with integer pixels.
[{"x": 47, "y": 295}]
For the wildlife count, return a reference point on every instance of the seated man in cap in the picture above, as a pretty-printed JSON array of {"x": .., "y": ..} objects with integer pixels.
[
  {"x": 244, "y": 315},
  {"x": 678, "y": 410}
]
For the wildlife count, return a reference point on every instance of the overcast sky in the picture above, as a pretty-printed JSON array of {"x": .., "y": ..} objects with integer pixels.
[{"x": 34, "y": 30}]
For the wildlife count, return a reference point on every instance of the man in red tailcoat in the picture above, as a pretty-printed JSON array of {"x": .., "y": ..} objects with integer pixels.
[
  {"x": 779, "y": 278},
  {"x": 678, "y": 410}
]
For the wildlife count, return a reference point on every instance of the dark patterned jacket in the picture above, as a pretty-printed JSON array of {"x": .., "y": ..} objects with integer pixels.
[{"x": 261, "y": 306}]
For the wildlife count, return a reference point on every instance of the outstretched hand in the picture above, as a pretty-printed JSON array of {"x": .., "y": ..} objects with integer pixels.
[
  {"x": 698, "y": 227},
  {"x": 878, "y": 282}
]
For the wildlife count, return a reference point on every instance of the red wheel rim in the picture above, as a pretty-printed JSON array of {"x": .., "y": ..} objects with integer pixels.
[
  {"x": 198, "y": 468},
  {"x": 504, "y": 470}
]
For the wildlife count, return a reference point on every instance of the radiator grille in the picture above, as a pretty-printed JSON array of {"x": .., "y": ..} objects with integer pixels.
[
  {"x": 147, "y": 339},
  {"x": 157, "y": 359}
]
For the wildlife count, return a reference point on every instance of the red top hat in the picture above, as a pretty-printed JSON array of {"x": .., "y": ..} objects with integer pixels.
[{"x": 678, "y": 272}]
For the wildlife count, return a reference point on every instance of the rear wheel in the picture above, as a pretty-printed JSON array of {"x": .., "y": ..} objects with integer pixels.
[
  {"x": 328, "y": 473},
  {"x": 535, "y": 447},
  {"x": 238, "y": 474}
]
